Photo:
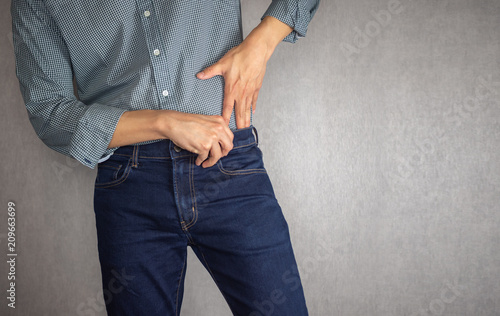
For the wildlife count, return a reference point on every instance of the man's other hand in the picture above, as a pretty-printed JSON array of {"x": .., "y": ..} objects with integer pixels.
[{"x": 243, "y": 68}]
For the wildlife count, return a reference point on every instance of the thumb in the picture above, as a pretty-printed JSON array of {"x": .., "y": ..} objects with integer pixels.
[{"x": 209, "y": 72}]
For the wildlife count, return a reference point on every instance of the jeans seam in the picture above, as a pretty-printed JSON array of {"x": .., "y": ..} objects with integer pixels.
[
  {"x": 139, "y": 156},
  {"x": 193, "y": 221},
  {"x": 195, "y": 209},
  {"x": 134, "y": 156},
  {"x": 254, "y": 130},
  {"x": 176, "y": 189},
  {"x": 193, "y": 195},
  {"x": 246, "y": 145},
  {"x": 191, "y": 183},
  {"x": 239, "y": 172},
  {"x": 152, "y": 157}
]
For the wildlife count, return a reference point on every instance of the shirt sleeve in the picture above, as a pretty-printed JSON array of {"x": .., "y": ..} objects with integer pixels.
[
  {"x": 43, "y": 67},
  {"x": 296, "y": 13}
]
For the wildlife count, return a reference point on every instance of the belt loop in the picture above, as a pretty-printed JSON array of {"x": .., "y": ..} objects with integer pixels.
[
  {"x": 256, "y": 135},
  {"x": 135, "y": 156}
]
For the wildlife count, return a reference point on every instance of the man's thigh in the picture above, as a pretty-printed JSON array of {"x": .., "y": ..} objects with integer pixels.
[
  {"x": 142, "y": 248},
  {"x": 242, "y": 237}
]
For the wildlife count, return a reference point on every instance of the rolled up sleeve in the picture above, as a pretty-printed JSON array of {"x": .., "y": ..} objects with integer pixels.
[
  {"x": 43, "y": 67},
  {"x": 295, "y": 13}
]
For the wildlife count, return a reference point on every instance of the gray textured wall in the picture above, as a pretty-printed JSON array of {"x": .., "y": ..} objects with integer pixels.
[{"x": 381, "y": 136}]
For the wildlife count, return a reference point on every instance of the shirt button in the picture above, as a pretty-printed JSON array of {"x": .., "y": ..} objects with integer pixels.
[
  {"x": 156, "y": 52},
  {"x": 177, "y": 148},
  {"x": 165, "y": 93},
  {"x": 147, "y": 13}
]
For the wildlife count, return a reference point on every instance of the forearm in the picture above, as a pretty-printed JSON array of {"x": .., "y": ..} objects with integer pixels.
[
  {"x": 143, "y": 125},
  {"x": 138, "y": 126},
  {"x": 205, "y": 135},
  {"x": 269, "y": 32}
]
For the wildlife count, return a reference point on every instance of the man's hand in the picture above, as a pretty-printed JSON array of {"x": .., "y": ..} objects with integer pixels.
[
  {"x": 243, "y": 68},
  {"x": 206, "y": 135}
]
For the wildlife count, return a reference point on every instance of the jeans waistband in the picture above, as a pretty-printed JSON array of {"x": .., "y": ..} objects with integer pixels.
[{"x": 165, "y": 148}]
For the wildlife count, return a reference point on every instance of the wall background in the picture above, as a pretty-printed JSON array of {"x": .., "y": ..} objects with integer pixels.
[{"x": 383, "y": 149}]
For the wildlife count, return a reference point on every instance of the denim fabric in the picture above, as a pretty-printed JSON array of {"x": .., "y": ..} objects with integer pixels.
[{"x": 151, "y": 201}]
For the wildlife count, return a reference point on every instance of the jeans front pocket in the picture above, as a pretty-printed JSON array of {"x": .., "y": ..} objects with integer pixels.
[
  {"x": 242, "y": 161},
  {"x": 113, "y": 171}
]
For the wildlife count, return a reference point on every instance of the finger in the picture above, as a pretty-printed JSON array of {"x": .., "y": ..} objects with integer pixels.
[
  {"x": 210, "y": 72},
  {"x": 226, "y": 141},
  {"x": 187, "y": 147},
  {"x": 245, "y": 111},
  {"x": 254, "y": 101},
  {"x": 228, "y": 105},
  {"x": 202, "y": 156},
  {"x": 229, "y": 132},
  {"x": 248, "y": 114},
  {"x": 224, "y": 135},
  {"x": 257, "y": 90},
  {"x": 215, "y": 154},
  {"x": 242, "y": 112}
]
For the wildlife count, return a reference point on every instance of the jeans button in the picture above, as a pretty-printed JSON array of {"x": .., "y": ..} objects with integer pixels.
[{"x": 177, "y": 148}]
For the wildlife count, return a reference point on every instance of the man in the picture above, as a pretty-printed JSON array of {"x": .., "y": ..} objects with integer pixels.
[{"x": 166, "y": 91}]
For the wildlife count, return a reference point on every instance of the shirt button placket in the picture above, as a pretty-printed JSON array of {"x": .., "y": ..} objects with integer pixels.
[
  {"x": 156, "y": 52},
  {"x": 158, "y": 63}
]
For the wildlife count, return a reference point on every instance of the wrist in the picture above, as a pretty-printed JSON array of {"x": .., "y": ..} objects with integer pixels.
[
  {"x": 269, "y": 33},
  {"x": 163, "y": 123}
]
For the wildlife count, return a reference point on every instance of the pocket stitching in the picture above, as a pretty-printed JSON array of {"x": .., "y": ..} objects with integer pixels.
[
  {"x": 239, "y": 172},
  {"x": 117, "y": 181}
]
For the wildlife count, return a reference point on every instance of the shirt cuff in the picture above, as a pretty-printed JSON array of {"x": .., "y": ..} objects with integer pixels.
[
  {"x": 293, "y": 14},
  {"x": 93, "y": 134},
  {"x": 104, "y": 158}
]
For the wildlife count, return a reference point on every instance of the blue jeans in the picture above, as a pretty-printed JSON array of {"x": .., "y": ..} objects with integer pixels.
[{"x": 151, "y": 201}]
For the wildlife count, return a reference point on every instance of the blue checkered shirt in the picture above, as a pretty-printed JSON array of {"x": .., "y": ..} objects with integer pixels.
[{"x": 125, "y": 55}]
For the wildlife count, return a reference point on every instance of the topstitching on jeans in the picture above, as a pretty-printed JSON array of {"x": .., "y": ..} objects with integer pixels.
[
  {"x": 193, "y": 194},
  {"x": 134, "y": 156},
  {"x": 124, "y": 177}
]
